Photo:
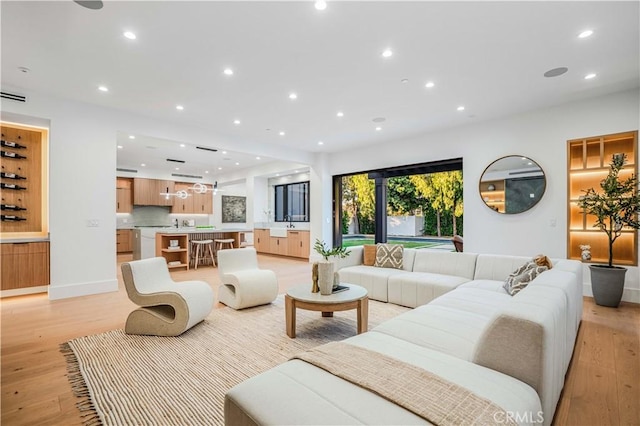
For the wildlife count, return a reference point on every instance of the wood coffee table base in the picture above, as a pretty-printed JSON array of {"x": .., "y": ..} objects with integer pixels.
[{"x": 327, "y": 309}]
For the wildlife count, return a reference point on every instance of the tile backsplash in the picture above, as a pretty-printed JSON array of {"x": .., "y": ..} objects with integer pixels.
[{"x": 157, "y": 216}]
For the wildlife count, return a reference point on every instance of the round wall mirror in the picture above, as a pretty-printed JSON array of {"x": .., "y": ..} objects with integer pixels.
[{"x": 512, "y": 184}]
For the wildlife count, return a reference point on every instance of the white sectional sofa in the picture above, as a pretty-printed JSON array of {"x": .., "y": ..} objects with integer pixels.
[{"x": 511, "y": 350}]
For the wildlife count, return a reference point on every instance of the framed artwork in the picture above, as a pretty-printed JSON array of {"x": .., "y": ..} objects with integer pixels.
[{"x": 234, "y": 209}]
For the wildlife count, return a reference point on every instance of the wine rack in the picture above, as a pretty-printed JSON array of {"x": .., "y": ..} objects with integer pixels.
[{"x": 23, "y": 163}]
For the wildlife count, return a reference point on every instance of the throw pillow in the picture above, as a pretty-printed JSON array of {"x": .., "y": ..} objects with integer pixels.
[
  {"x": 389, "y": 256},
  {"x": 369, "y": 255},
  {"x": 522, "y": 276}
]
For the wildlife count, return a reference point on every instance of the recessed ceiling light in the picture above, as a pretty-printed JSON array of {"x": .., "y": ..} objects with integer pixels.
[
  {"x": 257, "y": 158},
  {"x": 585, "y": 34},
  {"x": 340, "y": 114},
  {"x": 281, "y": 133},
  {"x": 143, "y": 165},
  {"x": 320, "y": 143},
  {"x": 120, "y": 147},
  {"x": 460, "y": 108},
  {"x": 228, "y": 71},
  {"x": 177, "y": 168},
  {"x": 556, "y": 72},
  {"x": 590, "y": 76},
  {"x": 182, "y": 145},
  {"x": 132, "y": 137},
  {"x": 103, "y": 88},
  {"x": 320, "y": 5},
  {"x": 224, "y": 152},
  {"x": 179, "y": 107},
  {"x": 293, "y": 95},
  {"x": 237, "y": 164},
  {"x": 277, "y": 174},
  {"x": 379, "y": 120},
  {"x": 90, "y": 4},
  {"x": 378, "y": 128},
  {"x": 387, "y": 53},
  {"x": 236, "y": 122},
  {"x": 130, "y": 35},
  {"x": 24, "y": 69},
  {"x": 404, "y": 80},
  {"x": 206, "y": 171},
  {"x": 429, "y": 84}
]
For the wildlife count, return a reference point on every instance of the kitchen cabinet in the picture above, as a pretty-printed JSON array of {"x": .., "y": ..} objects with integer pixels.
[
  {"x": 298, "y": 243},
  {"x": 124, "y": 195},
  {"x": 124, "y": 241},
  {"x": 148, "y": 192},
  {"x": 181, "y": 205},
  {"x": 203, "y": 203},
  {"x": 278, "y": 245},
  {"x": 261, "y": 240},
  {"x": 588, "y": 163},
  {"x": 25, "y": 265},
  {"x": 177, "y": 256}
]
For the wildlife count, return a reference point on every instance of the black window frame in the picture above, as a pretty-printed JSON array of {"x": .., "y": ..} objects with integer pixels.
[{"x": 286, "y": 215}]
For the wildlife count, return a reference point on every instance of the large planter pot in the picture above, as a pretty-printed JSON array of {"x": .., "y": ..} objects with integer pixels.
[
  {"x": 607, "y": 284},
  {"x": 325, "y": 277}
]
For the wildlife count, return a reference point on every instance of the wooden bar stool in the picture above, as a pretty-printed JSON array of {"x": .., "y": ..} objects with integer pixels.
[
  {"x": 202, "y": 245},
  {"x": 221, "y": 243}
]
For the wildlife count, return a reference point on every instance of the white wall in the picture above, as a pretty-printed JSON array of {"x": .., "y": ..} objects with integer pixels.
[{"x": 540, "y": 135}]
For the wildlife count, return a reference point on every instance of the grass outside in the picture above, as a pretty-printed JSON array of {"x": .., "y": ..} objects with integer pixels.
[{"x": 406, "y": 244}]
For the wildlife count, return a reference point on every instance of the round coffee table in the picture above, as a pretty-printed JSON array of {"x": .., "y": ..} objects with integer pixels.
[{"x": 301, "y": 297}]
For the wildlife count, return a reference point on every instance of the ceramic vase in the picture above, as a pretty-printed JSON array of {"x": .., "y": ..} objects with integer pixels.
[{"x": 325, "y": 277}]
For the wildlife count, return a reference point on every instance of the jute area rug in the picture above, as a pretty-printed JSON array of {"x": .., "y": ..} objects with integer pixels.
[{"x": 145, "y": 380}]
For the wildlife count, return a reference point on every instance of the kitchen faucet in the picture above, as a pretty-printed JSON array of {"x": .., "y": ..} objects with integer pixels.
[{"x": 288, "y": 217}]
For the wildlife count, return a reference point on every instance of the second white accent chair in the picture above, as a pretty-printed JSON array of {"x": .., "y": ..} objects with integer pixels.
[{"x": 243, "y": 284}]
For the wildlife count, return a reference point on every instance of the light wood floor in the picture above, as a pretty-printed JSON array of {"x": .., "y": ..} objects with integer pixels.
[{"x": 601, "y": 388}]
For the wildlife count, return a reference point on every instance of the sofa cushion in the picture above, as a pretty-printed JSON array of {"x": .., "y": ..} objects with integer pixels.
[
  {"x": 369, "y": 258},
  {"x": 445, "y": 263},
  {"x": 497, "y": 266},
  {"x": 372, "y": 278},
  {"x": 389, "y": 256},
  {"x": 419, "y": 288}
]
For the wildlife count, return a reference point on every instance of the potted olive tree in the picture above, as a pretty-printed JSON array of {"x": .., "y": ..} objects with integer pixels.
[{"x": 615, "y": 207}]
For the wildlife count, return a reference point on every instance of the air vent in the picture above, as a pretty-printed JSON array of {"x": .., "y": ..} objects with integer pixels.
[
  {"x": 13, "y": 97},
  {"x": 126, "y": 170},
  {"x": 187, "y": 176},
  {"x": 207, "y": 149},
  {"x": 175, "y": 161}
]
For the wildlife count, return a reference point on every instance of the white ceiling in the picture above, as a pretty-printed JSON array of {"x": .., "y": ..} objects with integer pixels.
[{"x": 488, "y": 56}]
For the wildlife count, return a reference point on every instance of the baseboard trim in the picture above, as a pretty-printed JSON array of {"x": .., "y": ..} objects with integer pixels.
[
  {"x": 23, "y": 291},
  {"x": 82, "y": 289},
  {"x": 628, "y": 295}
]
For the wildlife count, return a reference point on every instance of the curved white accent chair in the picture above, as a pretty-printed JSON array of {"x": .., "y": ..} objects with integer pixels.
[
  {"x": 167, "y": 308},
  {"x": 244, "y": 285}
]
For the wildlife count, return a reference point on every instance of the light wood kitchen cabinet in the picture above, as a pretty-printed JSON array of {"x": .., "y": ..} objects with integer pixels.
[
  {"x": 176, "y": 256},
  {"x": 25, "y": 265},
  {"x": 278, "y": 245},
  {"x": 124, "y": 195},
  {"x": 124, "y": 241},
  {"x": 298, "y": 244},
  {"x": 181, "y": 205},
  {"x": 261, "y": 240},
  {"x": 203, "y": 203},
  {"x": 147, "y": 192}
]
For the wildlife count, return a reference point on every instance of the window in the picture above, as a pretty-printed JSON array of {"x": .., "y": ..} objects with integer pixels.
[{"x": 292, "y": 202}]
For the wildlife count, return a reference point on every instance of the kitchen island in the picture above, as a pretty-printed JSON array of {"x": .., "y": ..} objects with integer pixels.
[{"x": 180, "y": 254}]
